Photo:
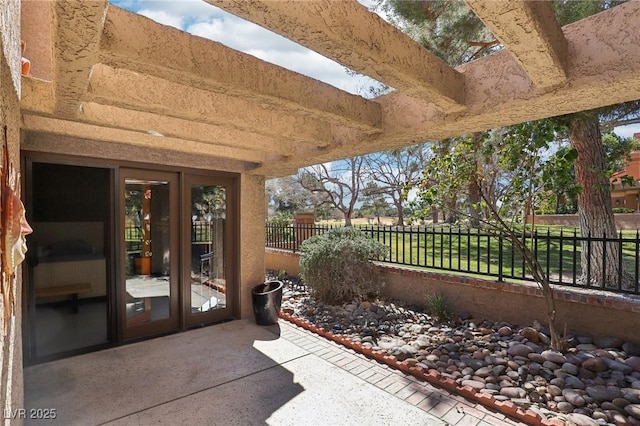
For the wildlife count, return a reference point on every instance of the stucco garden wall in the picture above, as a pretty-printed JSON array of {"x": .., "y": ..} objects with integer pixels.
[
  {"x": 627, "y": 221},
  {"x": 11, "y": 382},
  {"x": 583, "y": 313}
]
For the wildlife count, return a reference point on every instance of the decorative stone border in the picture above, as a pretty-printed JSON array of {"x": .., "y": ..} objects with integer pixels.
[{"x": 432, "y": 376}]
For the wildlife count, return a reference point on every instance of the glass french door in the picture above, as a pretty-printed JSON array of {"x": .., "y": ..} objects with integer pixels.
[
  {"x": 149, "y": 293},
  {"x": 208, "y": 295}
]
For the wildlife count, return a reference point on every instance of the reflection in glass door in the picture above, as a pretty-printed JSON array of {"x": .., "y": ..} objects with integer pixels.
[
  {"x": 150, "y": 304},
  {"x": 208, "y": 296}
]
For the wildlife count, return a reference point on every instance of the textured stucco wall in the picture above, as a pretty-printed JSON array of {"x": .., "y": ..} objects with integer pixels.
[
  {"x": 10, "y": 38},
  {"x": 36, "y": 32},
  {"x": 629, "y": 221},
  {"x": 277, "y": 260},
  {"x": 252, "y": 239},
  {"x": 582, "y": 313},
  {"x": 11, "y": 383}
]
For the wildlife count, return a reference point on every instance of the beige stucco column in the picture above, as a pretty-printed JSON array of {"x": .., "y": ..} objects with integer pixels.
[
  {"x": 252, "y": 239},
  {"x": 11, "y": 391}
]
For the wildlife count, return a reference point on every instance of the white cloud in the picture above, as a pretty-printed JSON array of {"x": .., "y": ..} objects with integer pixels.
[
  {"x": 627, "y": 131},
  {"x": 162, "y": 17}
]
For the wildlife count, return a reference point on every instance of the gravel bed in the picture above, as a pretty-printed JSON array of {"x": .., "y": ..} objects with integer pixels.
[{"x": 595, "y": 382}]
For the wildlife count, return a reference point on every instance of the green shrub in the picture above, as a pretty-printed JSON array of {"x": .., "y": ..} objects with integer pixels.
[
  {"x": 336, "y": 268},
  {"x": 280, "y": 219},
  {"x": 623, "y": 210},
  {"x": 438, "y": 306}
]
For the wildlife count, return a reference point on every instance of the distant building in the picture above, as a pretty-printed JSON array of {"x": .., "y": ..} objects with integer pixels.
[{"x": 624, "y": 195}]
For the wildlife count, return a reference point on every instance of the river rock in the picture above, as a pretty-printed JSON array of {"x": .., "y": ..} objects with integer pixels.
[
  {"x": 618, "y": 366},
  {"x": 565, "y": 407},
  {"x": 573, "y": 359},
  {"x": 631, "y": 349},
  {"x": 573, "y": 382},
  {"x": 574, "y": 397},
  {"x": 581, "y": 420},
  {"x": 609, "y": 342},
  {"x": 519, "y": 350},
  {"x": 620, "y": 402},
  {"x": 554, "y": 356},
  {"x": 403, "y": 352},
  {"x": 633, "y": 410},
  {"x": 633, "y": 362},
  {"x": 606, "y": 405},
  {"x": 602, "y": 393},
  {"x": 505, "y": 331},
  {"x": 390, "y": 344},
  {"x": 531, "y": 334},
  {"x": 571, "y": 369},
  {"x": 554, "y": 390},
  {"x": 596, "y": 364},
  {"x": 513, "y": 392},
  {"x": 585, "y": 347},
  {"x": 476, "y": 384},
  {"x": 483, "y": 371}
]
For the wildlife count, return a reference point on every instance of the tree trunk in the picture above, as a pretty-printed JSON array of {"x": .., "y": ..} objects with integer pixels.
[
  {"x": 451, "y": 210},
  {"x": 600, "y": 261},
  {"x": 474, "y": 200},
  {"x": 398, "y": 205},
  {"x": 474, "y": 188}
]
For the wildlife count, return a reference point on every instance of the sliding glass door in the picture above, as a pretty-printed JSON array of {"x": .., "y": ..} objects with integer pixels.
[
  {"x": 207, "y": 292},
  {"x": 122, "y": 253},
  {"x": 67, "y": 274},
  {"x": 149, "y": 297}
]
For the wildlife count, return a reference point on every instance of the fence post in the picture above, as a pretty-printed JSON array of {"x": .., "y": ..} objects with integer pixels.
[
  {"x": 303, "y": 228},
  {"x": 500, "y": 258}
]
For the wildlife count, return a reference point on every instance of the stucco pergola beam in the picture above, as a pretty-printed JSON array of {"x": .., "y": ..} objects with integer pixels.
[
  {"x": 213, "y": 135},
  {"x": 348, "y": 33},
  {"x": 531, "y": 33},
  {"x": 37, "y": 96},
  {"x": 130, "y": 90},
  {"x": 99, "y": 133},
  {"x": 76, "y": 31},
  {"x": 81, "y": 147},
  {"x": 604, "y": 60},
  {"x": 174, "y": 55}
]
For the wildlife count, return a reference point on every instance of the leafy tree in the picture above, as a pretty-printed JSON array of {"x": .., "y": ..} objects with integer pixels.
[
  {"x": 445, "y": 28},
  {"x": 448, "y": 29},
  {"x": 209, "y": 202},
  {"x": 376, "y": 204},
  {"x": 338, "y": 185},
  {"x": 391, "y": 171},
  {"x": 288, "y": 196},
  {"x": 519, "y": 186}
]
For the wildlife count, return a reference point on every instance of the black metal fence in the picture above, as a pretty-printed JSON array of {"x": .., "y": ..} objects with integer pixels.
[
  {"x": 612, "y": 262},
  {"x": 201, "y": 233}
]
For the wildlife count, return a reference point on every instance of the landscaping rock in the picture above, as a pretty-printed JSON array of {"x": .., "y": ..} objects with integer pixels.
[{"x": 591, "y": 384}]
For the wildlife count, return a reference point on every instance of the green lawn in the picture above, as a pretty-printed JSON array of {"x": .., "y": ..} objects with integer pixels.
[{"x": 558, "y": 249}]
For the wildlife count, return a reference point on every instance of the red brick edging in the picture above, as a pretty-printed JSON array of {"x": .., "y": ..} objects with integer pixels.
[{"x": 432, "y": 376}]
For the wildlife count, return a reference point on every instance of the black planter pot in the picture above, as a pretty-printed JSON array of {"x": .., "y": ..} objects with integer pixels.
[{"x": 267, "y": 299}]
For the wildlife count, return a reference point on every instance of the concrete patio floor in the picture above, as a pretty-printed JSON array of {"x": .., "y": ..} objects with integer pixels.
[{"x": 238, "y": 373}]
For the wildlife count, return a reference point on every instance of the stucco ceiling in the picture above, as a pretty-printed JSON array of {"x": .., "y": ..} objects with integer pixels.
[{"x": 109, "y": 83}]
